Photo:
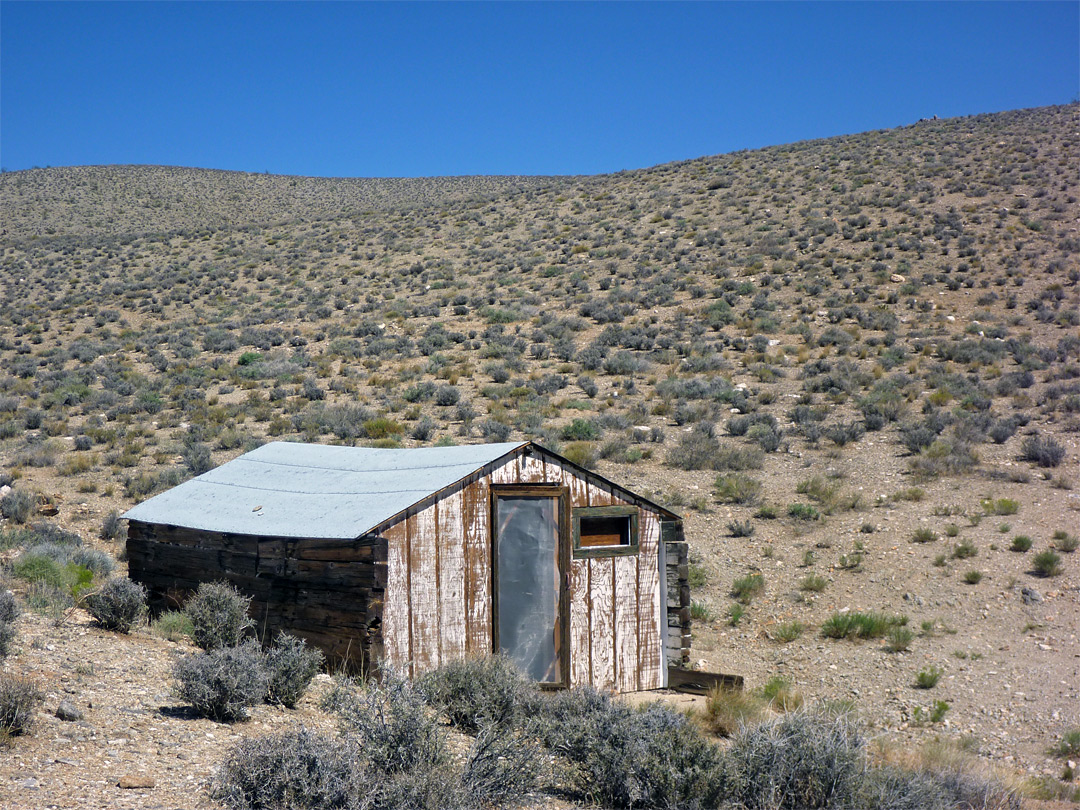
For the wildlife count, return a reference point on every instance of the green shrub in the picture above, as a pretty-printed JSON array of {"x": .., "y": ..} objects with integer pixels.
[
  {"x": 172, "y": 625},
  {"x": 728, "y": 710},
  {"x": 781, "y": 695},
  {"x": 221, "y": 684},
  {"x": 1002, "y": 506},
  {"x": 814, "y": 583},
  {"x": 924, "y": 536},
  {"x": 927, "y": 677},
  {"x": 290, "y": 666},
  {"x": 19, "y": 699},
  {"x": 740, "y": 528},
  {"x": 580, "y": 430},
  {"x": 860, "y": 625},
  {"x": 581, "y": 453},
  {"x": 964, "y": 550},
  {"x": 787, "y": 631},
  {"x": 480, "y": 691},
  {"x": 973, "y": 577},
  {"x": 1068, "y": 746},
  {"x": 737, "y": 488},
  {"x": 1047, "y": 563},
  {"x": 40, "y": 565},
  {"x": 803, "y": 511},
  {"x": 1063, "y": 541},
  {"x": 746, "y": 588},
  {"x": 382, "y": 427},
  {"x": 899, "y": 639},
  {"x": 118, "y": 605},
  {"x": 1020, "y": 543},
  {"x": 219, "y": 615}
]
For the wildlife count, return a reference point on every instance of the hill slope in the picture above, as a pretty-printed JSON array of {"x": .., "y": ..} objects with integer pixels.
[
  {"x": 853, "y": 363},
  {"x": 123, "y": 200}
]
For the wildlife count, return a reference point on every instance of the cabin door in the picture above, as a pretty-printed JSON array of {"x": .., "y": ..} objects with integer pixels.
[{"x": 531, "y": 603}]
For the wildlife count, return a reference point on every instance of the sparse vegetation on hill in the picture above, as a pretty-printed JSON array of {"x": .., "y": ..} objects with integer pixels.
[{"x": 853, "y": 362}]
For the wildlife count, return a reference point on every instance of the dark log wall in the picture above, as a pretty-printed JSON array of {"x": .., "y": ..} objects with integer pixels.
[{"x": 329, "y": 592}]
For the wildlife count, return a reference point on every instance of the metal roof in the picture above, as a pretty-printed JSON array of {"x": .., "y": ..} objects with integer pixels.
[{"x": 285, "y": 489}]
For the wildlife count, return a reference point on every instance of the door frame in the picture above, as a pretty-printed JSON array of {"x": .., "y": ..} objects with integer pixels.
[{"x": 562, "y": 640}]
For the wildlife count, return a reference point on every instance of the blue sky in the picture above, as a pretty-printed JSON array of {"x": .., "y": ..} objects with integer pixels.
[{"x": 422, "y": 89}]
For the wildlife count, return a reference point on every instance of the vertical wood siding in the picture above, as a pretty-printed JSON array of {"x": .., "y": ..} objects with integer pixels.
[
  {"x": 476, "y": 514},
  {"x": 626, "y": 623},
  {"x": 395, "y": 623},
  {"x": 423, "y": 589},
  {"x": 652, "y": 616},
  {"x": 451, "y": 551},
  {"x": 580, "y": 602},
  {"x": 443, "y": 602}
]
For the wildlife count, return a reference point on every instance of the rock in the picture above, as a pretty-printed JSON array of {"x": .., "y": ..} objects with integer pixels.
[
  {"x": 135, "y": 781},
  {"x": 1030, "y": 595},
  {"x": 68, "y": 711},
  {"x": 896, "y": 278}
]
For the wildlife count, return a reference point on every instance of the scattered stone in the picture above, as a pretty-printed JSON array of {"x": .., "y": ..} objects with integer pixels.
[
  {"x": 1030, "y": 595},
  {"x": 135, "y": 781},
  {"x": 68, "y": 712}
]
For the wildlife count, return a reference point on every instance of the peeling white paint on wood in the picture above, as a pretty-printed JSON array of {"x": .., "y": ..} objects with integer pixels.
[
  {"x": 553, "y": 472},
  {"x": 423, "y": 590},
  {"x": 506, "y": 474},
  {"x": 395, "y": 620},
  {"x": 651, "y": 613},
  {"x": 626, "y": 625},
  {"x": 580, "y": 634},
  {"x": 476, "y": 517},
  {"x": 451, "y": 551},
  {"x": 602, "y": 615},
  {"x": 532, "y": 470}
]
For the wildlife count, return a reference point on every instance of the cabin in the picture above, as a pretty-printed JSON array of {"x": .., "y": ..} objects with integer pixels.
[{"x": 410, "y": 558}]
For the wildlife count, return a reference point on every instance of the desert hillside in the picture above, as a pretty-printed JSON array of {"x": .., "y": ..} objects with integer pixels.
[{"x": 852, "y": 364}]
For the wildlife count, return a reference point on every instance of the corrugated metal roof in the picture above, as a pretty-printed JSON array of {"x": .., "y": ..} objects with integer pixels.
[{"x": 284, "y": 489}]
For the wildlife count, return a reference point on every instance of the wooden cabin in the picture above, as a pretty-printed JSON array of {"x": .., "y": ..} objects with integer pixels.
[{"x": 415, "y": 557}]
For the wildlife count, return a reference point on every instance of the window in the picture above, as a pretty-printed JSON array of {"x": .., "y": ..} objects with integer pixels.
[{"x": 604, "y": 531}]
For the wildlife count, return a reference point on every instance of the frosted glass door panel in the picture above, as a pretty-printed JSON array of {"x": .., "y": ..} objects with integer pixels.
[{"x": 527, "y": 560}]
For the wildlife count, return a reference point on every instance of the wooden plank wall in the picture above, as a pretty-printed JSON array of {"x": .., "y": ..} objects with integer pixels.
[
  {"x": 438, "y": 601},
  {"x": 615, "y": 604},
  {"x": 440, "y": 607}
]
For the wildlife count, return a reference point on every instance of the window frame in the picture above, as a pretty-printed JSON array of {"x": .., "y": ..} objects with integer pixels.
[{"x": 630, "y": 549}]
